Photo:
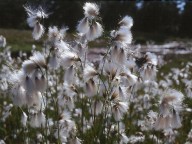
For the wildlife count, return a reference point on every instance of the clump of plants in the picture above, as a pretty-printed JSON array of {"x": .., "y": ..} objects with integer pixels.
[{"x": 63, "y": 95}]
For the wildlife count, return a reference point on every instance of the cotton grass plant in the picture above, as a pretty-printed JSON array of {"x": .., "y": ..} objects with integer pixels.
[{"x": 60, "y": 96}]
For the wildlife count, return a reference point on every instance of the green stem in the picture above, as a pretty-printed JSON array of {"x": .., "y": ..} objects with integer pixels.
[
  {"x": 82, "y": 105},
  {"x": 57, "y": 113},
  {"x": 118, "y": 138},
  {"x": 46, "y": 112}
]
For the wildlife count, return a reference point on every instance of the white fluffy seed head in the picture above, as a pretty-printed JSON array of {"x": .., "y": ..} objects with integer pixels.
[
  {"x": 54, "y": 34},
  {"x": 40, "y": 83},
  {"x": 34, "y": 15},
  {"x": 91, "y": 10},
  {"x": 35, "y": 100},
  {"x": 127, "y": 21},
  {"x": 38, "y": 31},
  {"x": 36, "y": 61},
  {"x": 94, "y": 32},
  {"x": 97, "y": 107},
  {"x": 91, "y": 88},
  {"x": 119, "y": 55},
  {"x": 28, "y": 66},
  {"x": 162, "y": 123},
  {"x": 2, "y": 41},
  {"x": 119, "y": 109},
  {"x": 69, "y": 75},
  {"x": 38, "y": 12},
  {"x": 123, "y": 93},
  {"x": 24, "y": 119},
  {"x": 170, "y": 105},
  {"x": 19, "y": 95},
  {"x": 17, "y": 78},
  {"x": 173, "y": 97},
  {"x": 151, "y": 58},
  {"x": 39, "y": 59},
  {"x": 124, "y": 35},
  {"x": 83, "y": 25},
  {"x": 29, "y": 86},
  {"x": 41, "y": 118},
  {"x": 53, "y": 61},
  {"x": 61, "y": 47},
  {"x": 111, "y": 69},
  {"x": 127, "y": 78},
  {"x": 124, "y": 138},
  {"x": 68, "y": 58},
  {"x": 113, "y": 33},
  {"x": 34, "y": 121},
  {"x": 32, "y": 21},
  {"x": 148, "y": 71},
  {"x": 89, "y": 72}
]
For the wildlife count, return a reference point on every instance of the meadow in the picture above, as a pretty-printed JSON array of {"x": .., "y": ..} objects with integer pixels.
[{"x": 54, "y": 91}]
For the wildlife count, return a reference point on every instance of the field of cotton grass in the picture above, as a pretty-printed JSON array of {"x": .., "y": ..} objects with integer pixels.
[{"x": 61, "y": 94}]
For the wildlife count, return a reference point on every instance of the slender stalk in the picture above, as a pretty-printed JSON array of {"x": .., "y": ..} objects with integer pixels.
[
  {"x": 82, "y": 105},
  {"x": 46, "y": 112},
  {"x": 118, "y": 138},
  {"x": 46, "y": 98},
  {"x": 57, "y": 112}
]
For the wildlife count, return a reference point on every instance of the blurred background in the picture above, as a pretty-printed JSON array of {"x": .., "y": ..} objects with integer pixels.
[{"x": 157, "y": 21}]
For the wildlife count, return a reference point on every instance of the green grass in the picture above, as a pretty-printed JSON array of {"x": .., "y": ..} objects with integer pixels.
[
  {"x": 22, "y": 39},
  {"x": 18, "y": 39}
]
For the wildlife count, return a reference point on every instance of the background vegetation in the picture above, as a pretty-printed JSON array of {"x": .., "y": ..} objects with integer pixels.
[{"x": 166, "y": 17}]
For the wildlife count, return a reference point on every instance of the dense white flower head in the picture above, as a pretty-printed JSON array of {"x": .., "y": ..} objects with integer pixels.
[
  {"x": 69, "y": 76},
  {"x": 37, "y": 119},
  {"x": 19, "y": 96},
  {"x": 170, "y": 106},
  {"x": 53, "y": 61},
  {"x": 54, "y": 34},
  {"x": 83, "y": 25},
  {"x": 91, "y": 88},
  {"x": 91, "y": 10},
  {"x": 34, "y": 62},
  {"x": 68, "y": 58},
  {"x": 151, "y": 58},
  {"x": 148, "y": 71},
  {"x": 29, "y": 66},
  {"x": 122, "y": 37},
  {"x": 89, "y": 72},
  {"x": 95, "y": 31},
  {"x": 127, "y": 21},
  {"x": 127, "y": 78},
  {"x": 118, "y": 55},
  {"x": 119, "y": 109},
  {"x": 24, "y": 119},
  {"x": 97, "y": 107},
  {"x": 39, "y": 59},
  {"x": 2, "y": 41},
  {"x": 88, "y": 26},
  {"x": 38, "y": 31},
  {"x": 173, "y": 98},
  {"x": 34, "y": 17},
  {"x": 17, "y": 78}
]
